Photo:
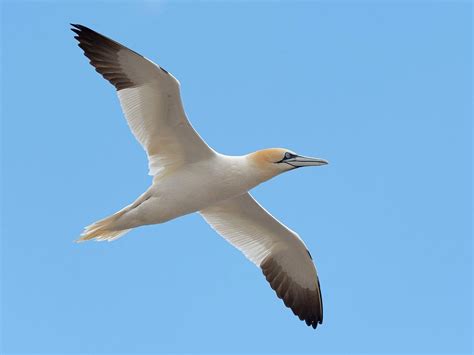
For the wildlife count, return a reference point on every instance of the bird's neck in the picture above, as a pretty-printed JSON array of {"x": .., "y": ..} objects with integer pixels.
[
  {"x": 243, "y": 171},
  {"x": 258, "y": 167}
]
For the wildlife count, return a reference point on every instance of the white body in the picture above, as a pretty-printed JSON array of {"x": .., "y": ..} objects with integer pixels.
[{"x": 192, "y": 188}]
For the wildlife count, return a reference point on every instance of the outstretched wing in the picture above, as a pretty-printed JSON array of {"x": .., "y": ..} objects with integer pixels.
[
  {"x": 277, "y": 250},
  {"x": 150, "y": 99}
]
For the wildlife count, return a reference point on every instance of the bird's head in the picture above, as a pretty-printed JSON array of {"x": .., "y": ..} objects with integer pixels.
[{"x": 274, "y": 161}]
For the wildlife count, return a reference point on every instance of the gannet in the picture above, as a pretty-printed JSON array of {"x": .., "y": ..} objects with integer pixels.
[{"x": 189, "y": 176}]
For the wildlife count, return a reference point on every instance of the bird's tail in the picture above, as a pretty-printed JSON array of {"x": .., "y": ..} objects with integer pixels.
[
  {"x": 103, "y": 230},
  {"x": 114, "y": 226}
]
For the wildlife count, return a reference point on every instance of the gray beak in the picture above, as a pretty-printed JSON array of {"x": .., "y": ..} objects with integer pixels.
[{"x": 300, "y": 161}]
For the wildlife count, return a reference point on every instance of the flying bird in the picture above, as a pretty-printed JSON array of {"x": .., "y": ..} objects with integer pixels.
[{"x": 189, "y": 176}]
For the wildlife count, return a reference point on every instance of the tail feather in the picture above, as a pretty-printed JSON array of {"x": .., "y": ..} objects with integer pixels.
[
  {"x": 104, "y": 236},
  {"x": 110, "y": 228},
  {"x": 101, "y": 231}
]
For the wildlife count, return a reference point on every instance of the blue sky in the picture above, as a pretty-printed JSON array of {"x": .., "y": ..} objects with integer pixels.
[{"x": 380, "y": 89}]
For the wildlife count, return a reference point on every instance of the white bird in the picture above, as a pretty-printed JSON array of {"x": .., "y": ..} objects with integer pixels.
[{"x": 189, "y": 176}]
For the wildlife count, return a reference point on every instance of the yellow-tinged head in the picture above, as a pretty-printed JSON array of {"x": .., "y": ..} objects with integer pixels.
[{"x": 274, "y": 161}]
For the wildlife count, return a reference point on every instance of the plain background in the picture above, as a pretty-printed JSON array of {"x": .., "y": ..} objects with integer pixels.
[{"x": 380, "y": 89}]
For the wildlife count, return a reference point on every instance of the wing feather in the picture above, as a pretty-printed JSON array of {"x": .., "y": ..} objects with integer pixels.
[
  {"x": 276, "y": 249},
  {"x": 150, "y": 99}
]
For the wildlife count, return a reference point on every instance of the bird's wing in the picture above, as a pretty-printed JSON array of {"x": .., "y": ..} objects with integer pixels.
[
  {"x": 150, "y": 99},
  {"x": 277, "y": 250}
]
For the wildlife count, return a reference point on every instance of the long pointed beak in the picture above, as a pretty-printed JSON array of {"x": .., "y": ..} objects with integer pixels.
[{"x": 300, "y": 161}]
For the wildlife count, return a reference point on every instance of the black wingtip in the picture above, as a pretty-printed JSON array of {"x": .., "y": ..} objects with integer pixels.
[
  {"x": 306, "y": 304},
  {"x": 77, "y": 28},
  {"x": 321, "y": 302},
  {"x": 102, "y": 53}
]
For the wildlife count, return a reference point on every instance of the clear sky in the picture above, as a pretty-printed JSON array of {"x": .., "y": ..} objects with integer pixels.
[{"x": 380, "y": 89}]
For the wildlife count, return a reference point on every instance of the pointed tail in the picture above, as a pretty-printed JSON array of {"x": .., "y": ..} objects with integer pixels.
[
  {"x": 111, "y": 228},
  {"x": 102, "y": 230}
]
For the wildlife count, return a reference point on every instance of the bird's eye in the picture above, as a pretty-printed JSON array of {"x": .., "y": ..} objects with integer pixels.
[{"x": 288, "y": 155}]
